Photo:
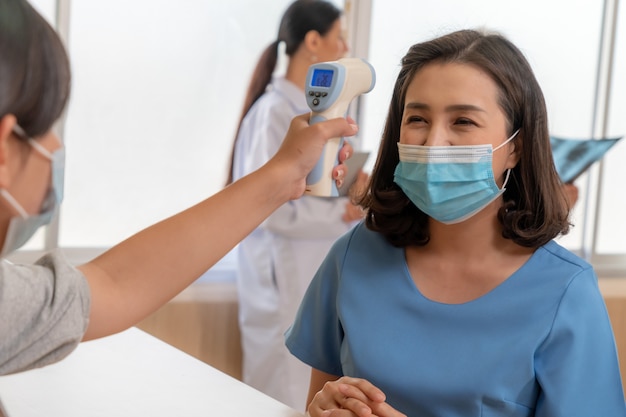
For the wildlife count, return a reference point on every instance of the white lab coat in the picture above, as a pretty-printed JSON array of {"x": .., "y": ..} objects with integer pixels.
[{"x": 278, "y": 260}]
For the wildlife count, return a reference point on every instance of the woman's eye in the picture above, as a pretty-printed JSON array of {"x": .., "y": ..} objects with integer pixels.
[
  {"x": 415, "y": 119},
  {"x": 464, "y": 121}
]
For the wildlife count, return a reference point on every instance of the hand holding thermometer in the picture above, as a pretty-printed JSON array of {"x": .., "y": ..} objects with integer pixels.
[{"x": 330, "y": 87}]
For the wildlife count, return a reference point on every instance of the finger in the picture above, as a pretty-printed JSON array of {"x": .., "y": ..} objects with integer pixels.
[
  {"x": 357, "y": 388},
  {"x": 322, "y": 131},
  {"x": 335, "y": 409},
  {"x": 331, "y": 397},
  {"x": 327, "y": 398},
  {"x": 339, "y": 412},
  {"x": 385, "y": 410},
  {"x": 339, "y": 174},
  {"x": 333, "y": 128},
  {"x": 345, "y": 152},
  {"x": 357, "y": 407}
]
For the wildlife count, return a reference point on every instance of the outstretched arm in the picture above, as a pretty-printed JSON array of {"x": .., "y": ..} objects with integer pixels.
[{"x": 137, "y": 276}]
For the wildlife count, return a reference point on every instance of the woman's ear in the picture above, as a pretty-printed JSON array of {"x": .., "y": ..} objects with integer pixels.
[
  {"x": 312, "y": 41},
  {"x": 514, "y": 154},
  {"x": 6, "y": 129}
]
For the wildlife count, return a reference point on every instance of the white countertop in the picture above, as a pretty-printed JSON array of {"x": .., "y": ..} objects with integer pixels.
[{"x": 132, "y": 374}]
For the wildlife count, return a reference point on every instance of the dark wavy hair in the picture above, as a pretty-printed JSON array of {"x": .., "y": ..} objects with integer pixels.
[
  {"x": 300, "y": 18},
  {"x": 535, "y": 208},
  {"x": 34, "y": 68}
]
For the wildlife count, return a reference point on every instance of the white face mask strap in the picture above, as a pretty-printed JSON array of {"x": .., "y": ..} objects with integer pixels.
[
  {"x": 14, "y": 203},
  {"x": 32, "y": 142},
  {"x": 506, "y": 179},
  {"x": 506, "y": 141},
  {"x": 43, "y": 151}
]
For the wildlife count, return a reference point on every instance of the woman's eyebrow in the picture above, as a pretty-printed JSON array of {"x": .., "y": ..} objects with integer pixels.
[
  {"x": 451, "y": 108},
  {"x": 416, "y": 105},
  {"x": 465, "y": 107}
]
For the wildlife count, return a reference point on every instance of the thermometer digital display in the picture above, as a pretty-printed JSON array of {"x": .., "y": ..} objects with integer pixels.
[{"x": 322, "y": 78}]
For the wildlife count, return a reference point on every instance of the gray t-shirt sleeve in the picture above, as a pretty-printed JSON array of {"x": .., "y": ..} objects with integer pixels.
[{"x": 44, "y": 312}]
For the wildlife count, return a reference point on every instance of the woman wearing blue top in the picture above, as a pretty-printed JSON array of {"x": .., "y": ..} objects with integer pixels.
[{"x": 452, "y": 299}]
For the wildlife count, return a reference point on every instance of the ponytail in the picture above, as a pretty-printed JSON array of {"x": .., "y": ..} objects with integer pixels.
[
  {"x": 300, "y": 17},
  {"x": 258, "y": 84}
]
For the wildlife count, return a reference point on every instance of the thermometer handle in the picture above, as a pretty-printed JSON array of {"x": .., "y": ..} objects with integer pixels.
[{"x": 319, "y": 182}]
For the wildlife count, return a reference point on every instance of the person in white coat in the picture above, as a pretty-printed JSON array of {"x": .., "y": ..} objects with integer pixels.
[{"x": 278, "y": 260}]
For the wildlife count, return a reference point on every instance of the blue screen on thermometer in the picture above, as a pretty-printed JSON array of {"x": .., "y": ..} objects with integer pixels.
[{"x": 322, "y": 78}]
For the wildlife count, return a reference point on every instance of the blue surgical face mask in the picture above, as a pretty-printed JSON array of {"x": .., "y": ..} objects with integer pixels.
[
  {"x": 24, "y": 226},
  {"x": 449, "y": 183}
]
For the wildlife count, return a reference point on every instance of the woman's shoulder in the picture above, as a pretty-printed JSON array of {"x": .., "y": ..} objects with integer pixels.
[
  {"x": 364, "y": 243},
  {"x": 270, "y": 113},
  {"x": 553, "y": 266},
  {"x": 560, "y": 254},
  {"x": 53, "y": 289},
  {"x": 270, "y": 103}
]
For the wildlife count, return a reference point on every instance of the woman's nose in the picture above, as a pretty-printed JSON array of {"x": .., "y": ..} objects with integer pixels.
[{"x": 437, "y": 137}]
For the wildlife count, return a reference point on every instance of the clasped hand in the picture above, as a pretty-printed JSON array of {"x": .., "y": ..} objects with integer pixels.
[{"x": 349, "y": 397}]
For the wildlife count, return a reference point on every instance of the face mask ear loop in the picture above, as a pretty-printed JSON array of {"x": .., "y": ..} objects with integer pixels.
[
  {"x": 32, "y": 142},
  {"x": 14, "y": 203},
  {"x": 506, "y": 141},
  {"x": 506, "y": 179},
  {"x": 508, "y": 171},
  {"x": 42, "y": 151}
]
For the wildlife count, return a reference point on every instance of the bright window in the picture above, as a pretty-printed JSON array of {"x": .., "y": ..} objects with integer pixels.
[
  {"x": 611, "y": 237},
  {"x": 158, "y": 89}
]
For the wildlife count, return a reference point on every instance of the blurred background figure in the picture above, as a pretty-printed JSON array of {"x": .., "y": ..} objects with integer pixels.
[
  {"x": 277, "y": 261},
  {"x": 571, "y": 192}
]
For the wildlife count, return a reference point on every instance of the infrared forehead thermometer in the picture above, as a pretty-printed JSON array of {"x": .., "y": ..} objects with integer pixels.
[{"x": 330, "y": 87}]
